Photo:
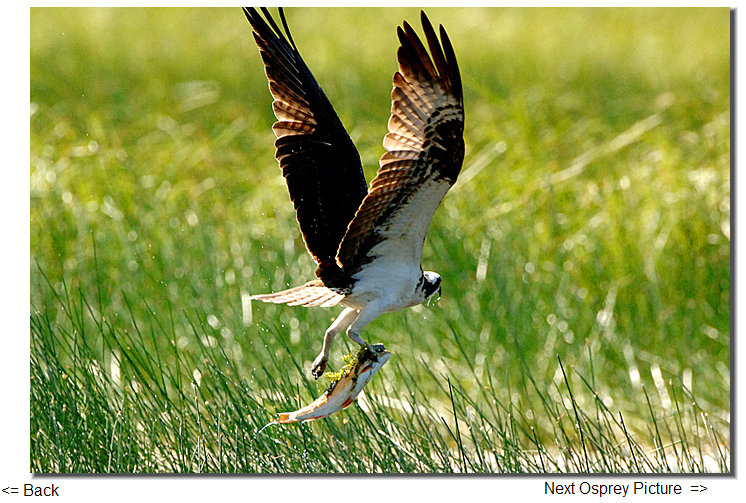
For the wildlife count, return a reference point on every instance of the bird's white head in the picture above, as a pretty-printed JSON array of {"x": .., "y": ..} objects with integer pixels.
[{"x": 431, "y": 285}]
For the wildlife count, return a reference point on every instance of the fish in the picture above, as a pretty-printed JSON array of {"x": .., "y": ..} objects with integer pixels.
[{"x": 343, "y": 391}]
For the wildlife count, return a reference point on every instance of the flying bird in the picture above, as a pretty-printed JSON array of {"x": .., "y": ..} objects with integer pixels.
[{"x": 367, "y": 242}]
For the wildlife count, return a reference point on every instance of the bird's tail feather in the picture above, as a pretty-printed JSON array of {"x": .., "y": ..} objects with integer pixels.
[{"x": 307, "y": 295}]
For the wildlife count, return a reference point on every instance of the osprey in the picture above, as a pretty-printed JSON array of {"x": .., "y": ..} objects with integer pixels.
[{"x": 367, "y": 242}]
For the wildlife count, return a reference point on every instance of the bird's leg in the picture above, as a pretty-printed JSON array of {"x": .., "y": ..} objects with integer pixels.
[
  {"x": 343, "y": 321},
  {"x": 356, "y": 337},
  {"x": 367, "y": 314}
]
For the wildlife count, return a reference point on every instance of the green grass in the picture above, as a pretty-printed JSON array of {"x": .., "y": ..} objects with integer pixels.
[{"x": 585, "y": 250}]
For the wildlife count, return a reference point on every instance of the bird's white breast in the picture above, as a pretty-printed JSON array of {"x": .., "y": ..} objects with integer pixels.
[{"x": 394, "y": 271}]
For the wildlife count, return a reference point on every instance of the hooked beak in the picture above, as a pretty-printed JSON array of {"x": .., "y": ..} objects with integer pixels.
[{"x": 434, "y": 298}]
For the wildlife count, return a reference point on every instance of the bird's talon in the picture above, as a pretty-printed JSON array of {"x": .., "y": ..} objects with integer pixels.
[
  {"x": 370, "y": 350},
  {"x": 316, "y": 373},
  {"x": 318, "y": 367}
]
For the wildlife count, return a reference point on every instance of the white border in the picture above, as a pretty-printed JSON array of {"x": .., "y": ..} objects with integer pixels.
[{"x": 14, "y": 372}]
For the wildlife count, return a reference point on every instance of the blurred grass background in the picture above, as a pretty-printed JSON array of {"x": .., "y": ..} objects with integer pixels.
[{"x": 591, "y": 221}]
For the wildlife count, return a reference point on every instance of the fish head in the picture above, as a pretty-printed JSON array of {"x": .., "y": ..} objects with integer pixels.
[
  {"x": 371, "y": 358},
  {"x": 375, "y": 353},
  {"x": 382, "y": 356}
]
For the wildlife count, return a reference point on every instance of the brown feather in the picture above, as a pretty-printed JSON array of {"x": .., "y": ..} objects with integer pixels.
[
  {"x": 425, "y": 142},
  {"x": 318, "y": 159},
  {"x": 313, "y": 293}
]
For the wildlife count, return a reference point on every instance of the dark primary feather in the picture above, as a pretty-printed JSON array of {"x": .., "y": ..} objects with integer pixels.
[
  {"x": 424, "y": 143},
  {"x": 318, "y": 159}
]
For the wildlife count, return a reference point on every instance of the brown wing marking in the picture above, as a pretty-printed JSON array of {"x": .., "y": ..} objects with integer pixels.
[
  {"x": 318, "y": 159},
  {"x": 313, "y": 293},
  {"x": 425, "y": 149}
]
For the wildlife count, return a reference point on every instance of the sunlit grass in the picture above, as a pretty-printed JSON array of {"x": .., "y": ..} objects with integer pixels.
[{"x": 591, "y": 222}]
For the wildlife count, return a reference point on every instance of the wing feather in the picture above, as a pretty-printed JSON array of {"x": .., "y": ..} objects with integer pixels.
[
  {"x": 320, "y": 163},
  {"x": 313, "y": 293},
  {"x": 425, "y": 151},
  {"x": 289, "y": 111}
]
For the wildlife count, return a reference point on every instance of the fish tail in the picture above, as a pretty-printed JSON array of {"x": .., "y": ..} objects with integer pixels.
[{"x": 284, "y": 417}]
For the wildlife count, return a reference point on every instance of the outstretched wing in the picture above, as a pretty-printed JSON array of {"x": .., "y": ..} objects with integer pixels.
[
  {"x": 425, "y": 150},
  {"x": 318, "y": 159}
]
